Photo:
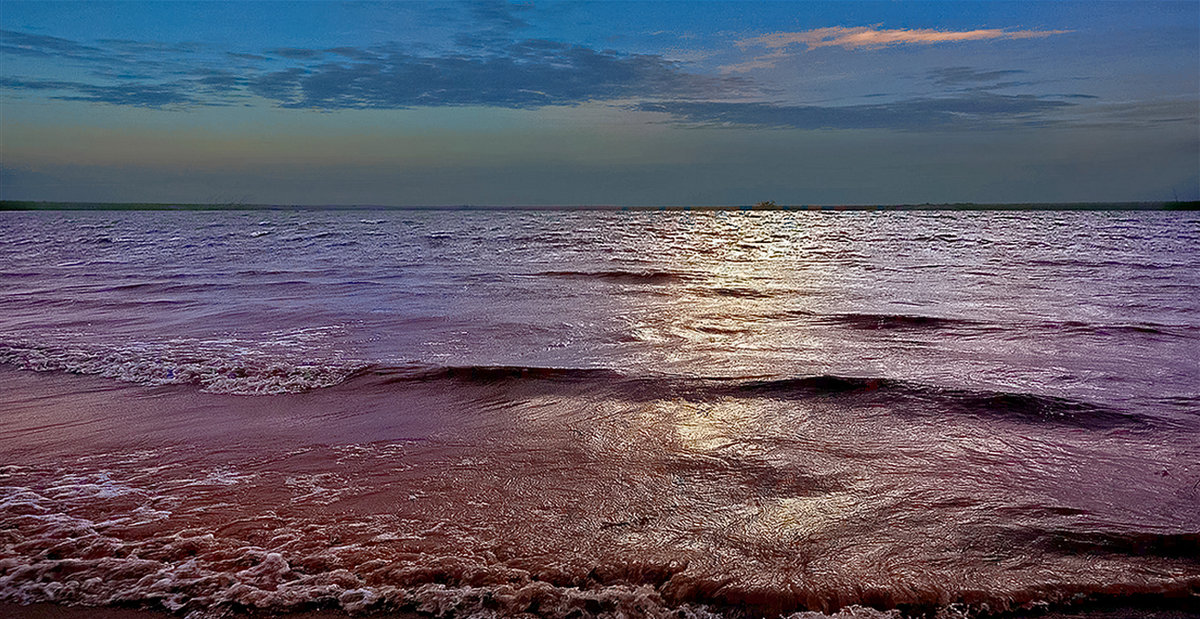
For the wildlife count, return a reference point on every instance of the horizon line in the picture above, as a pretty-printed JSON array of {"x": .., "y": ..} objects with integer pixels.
[{"x": 49, "y": 205}]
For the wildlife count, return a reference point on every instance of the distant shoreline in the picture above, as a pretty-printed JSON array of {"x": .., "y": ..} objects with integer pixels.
[{"x": 23, "y": 205}]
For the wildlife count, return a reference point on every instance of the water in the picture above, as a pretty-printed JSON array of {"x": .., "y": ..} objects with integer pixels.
[{"x": 600, "y": 413}]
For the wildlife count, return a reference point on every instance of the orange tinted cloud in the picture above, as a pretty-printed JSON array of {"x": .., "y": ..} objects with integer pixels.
[
  {"x": 869, "y": 37},
  {"x": 865, "y": 37}
]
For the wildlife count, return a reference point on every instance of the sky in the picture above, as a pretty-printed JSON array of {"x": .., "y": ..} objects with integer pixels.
[{"x": 622, "y": 103}]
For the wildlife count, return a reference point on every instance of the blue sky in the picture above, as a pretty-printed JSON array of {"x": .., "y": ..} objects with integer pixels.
[{"x": 622, "y": 103}]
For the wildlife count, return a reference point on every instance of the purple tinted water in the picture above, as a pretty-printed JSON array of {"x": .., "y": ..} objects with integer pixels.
[{"x": 599, "y": 412}]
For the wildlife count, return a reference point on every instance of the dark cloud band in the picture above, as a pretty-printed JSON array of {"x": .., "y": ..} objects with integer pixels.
[{"x": 496, "y": 71}]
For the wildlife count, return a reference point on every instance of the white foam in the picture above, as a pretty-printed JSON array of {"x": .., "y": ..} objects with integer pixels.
[
  {"x": 850, "y": 612},
  {"x": 217, "y": 366}
]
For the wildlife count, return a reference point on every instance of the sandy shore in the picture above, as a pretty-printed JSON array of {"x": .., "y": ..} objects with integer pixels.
[{"x": 52, "y": 611}]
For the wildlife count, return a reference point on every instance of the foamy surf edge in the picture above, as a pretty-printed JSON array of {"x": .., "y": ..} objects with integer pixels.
[{"x": 213, "y": 371}]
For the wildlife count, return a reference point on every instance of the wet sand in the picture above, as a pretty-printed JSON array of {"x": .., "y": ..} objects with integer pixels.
[{"x": 52, "y": 611}]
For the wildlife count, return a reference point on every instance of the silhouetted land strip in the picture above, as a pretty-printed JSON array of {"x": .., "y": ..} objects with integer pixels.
[{"x": 20, "y": 205}]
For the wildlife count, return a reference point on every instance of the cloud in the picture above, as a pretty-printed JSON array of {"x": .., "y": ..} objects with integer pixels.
[
  {"x": 130, "y": 94},
  {"x": 111, "y": 56},
  {"x": 867, "y": 37},
  {"x": 296, "y": 53},
  {"x": 870, "y": 37},
  {"x": 525, "y": 74},
  {"x": 497, "y": 72},
  {"x": 975, "y": 109},
  {"x": 499, "y": 14},
  {"x": 131, "y": 47},
  {"x": 1144, "y": 114},
  {"x": 353, "y": 53},
  {"x": 955, "y": 76},
  {"x": 244, "y": 56},
  {"x": 493, "y": 23},
  {"x": 281, "y": 85},
  {"x": 219, "y": 82},
  {"x": 491, "y": 71},
  {"x": 24, "y": 44}
]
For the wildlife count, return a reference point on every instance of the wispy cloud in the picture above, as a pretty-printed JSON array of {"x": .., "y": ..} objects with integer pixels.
[
  {"x": 974, "y": 109},
  {"x": 955, "y": 76},
  {"x": 527, "y": 73},
  {"x": 867, "y": 37},
  {"x": 129, "y": 94},
  {"x": 296, "y": 53},
  {"x": 41, "y": 46},
  {"x": 871, "y": 37}
]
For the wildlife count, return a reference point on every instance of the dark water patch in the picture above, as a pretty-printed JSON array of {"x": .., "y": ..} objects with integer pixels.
[
  {"x": 749, "y": 480},
  {"x": 486, "y": 374},
  {"x": 1183, "y": 400},
  {"x": 815, "y": 385},
  {"x": 904, "y": 397},
  {"x": 1085, "y": 542},
  {"x": 163, "y": 287},
  {"x": 738, "y": 292},
  {"x": 1141, "y": 544},
  {"x": 870, "y": 321},
  {"x": 483, "y": 277},
  {"x": 619, "y": 276},
  {"x": 95, "y": 240},
  {"x": 1101, "y": 265},
  {"x": 318, "y": 235},
  {"x": 1027, "y": 406},
  {"x": 1119, "y": 330},
  {"x": 714, "y": 330},
  {"x": 1145, "y": 606}
]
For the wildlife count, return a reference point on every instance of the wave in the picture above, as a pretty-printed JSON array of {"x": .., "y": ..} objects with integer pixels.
[
  {"x": 916, "y": 322},
  {"x": 225, "y": 371},
  {"x": 915, "y": 399},
  {"x": 484, "y": 373},
  {"x": 1104, "y": 264},
  {"x": 902, "y": 396},
  {"x": 1075, "y": 326},
  {"x": 894, "y": 321},
  {"x": 222, "y": 371},
  {"x": 738, "y": 292},
  {"x": 620, "y": 276}
]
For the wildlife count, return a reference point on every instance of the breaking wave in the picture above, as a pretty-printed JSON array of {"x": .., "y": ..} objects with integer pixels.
[
  {"x": 919, "y": 398},
  {"x": 260, "y": 375},
  {"x": 213, "y": 372}
]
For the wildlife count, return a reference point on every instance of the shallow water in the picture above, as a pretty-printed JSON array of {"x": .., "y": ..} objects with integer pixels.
[{"x": 589, "y": 414}]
